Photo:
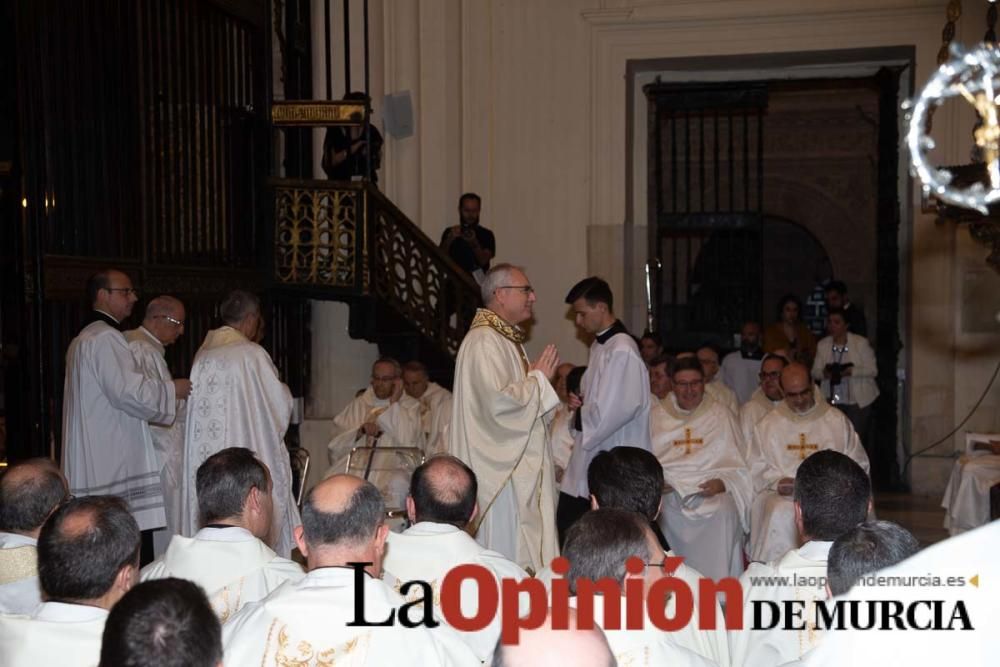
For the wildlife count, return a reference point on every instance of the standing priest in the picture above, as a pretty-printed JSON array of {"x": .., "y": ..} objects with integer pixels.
[
  {"x": 707, "y": 490},
  {"x": 107, "y": 406},
  {"x": 799, "y": 427},
  {"x": 161, "y": 326},
  {"x": 237, "y": 400},
  {"x": 498, "y": 426}
]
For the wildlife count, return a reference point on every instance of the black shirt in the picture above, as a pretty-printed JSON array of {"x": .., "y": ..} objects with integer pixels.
[
  {"x": 461, "y": 251},
  {"x": 339, "y": 139}
]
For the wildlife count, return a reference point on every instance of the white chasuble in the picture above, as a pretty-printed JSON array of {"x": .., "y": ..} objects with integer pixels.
[
  {"x": 232, "y": 566},
  {"x": 694, "y": 447},
  {"x": 782, "y": 440},
  {"x": 428, "y": 551},
  {"x": 648, "y": 647},
  {"x": 723, "y": 394},
  {"x": 67, "y": 635},
  {"x": 751, "y": 412},
  {"x": 20, "y": 592},
  {"x": 305, "y": 624},
  {"x": 237, "y": 400},
  {"x": 168, "y": 439},
  {"x": 400, "y": 424},
  {"x": 108, "y": 404},
  {"x": 498, "y": 429},
  {"x": 967, "y": 498},
  {"x": 969, "y": 558},
  {"x": 804, "y": 571},
  {"x": 435, "y": 415}
]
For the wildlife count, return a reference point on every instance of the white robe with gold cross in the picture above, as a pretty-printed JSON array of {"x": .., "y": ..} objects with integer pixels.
[
  {"x": 782, "y": 441},
  {"x": 694, "y": 447},
  {"x": 499, "y": 429},
  {"x": 306, "y": 623}
]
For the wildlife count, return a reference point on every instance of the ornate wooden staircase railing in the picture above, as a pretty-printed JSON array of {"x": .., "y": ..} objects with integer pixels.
[{"x": 348, "y": 242}]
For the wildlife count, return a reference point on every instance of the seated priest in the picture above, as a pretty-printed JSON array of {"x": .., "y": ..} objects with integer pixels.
[
  {"x": 29, "y": 492},
  {"x": 435, "y": 405},
  {"x": 975, "y": 473},
  {"x": 803, "y": 425},
  {"x": 659, "y": 378},
  {"x": 706, "y": 482},
  {"x": 832, "y": 496},
  {"x": 708, "y": 355},
  {"x": 88, "y": 558},
  {"x": 597, "y": 546},
  {"x": 162, "y": 623},
  {"x": 228, "y": 557},
  {"x": 767, "y": 397},
  {"x": 343, "y": 523},
  {"x": 630, "y": 478},
  {"x": 441, "y": 505},
  {"x": 382, "y": 416}
]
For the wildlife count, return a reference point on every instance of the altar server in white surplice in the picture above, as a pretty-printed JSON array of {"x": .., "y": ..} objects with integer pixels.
[
  {"x": 435, "y": 405},
  {"x": 967, "y": 498},
  {"x": 29, "y": 492},
  {"x": 237, "y": 400},
  {"x": 343, "y": 521},
  {"x": 614, "y": 395},
  {"x": 108, "y": 404},
  {"x": 767, "y": 397},
  {"x": 166, "y": 623},
  {"x": 707, "y": 487},
  {"x": 161, "y": 326},
  {"x": 498, "y": 423},
  {"x": 441, "y": 504},
  {"x": 382, "y": 416},
  {"x": 832, "y": 496},
  {"x": 227, "y": 557},
  {"x": 88, "y": 558},
  {"x": 597, "y": 546},
  {"x": 803, "y": 425}
]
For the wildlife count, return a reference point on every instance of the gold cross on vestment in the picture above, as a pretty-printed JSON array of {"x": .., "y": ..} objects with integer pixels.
[
  {"x": 802, "y": 447},
  {"x": 688, "y": 441}
]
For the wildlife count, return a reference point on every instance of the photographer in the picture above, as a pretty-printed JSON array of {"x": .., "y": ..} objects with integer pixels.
[
  {"x": 845, "y": 365},
  {"x": 345, "y": 149},
  {"x": 468, "y": 243}
]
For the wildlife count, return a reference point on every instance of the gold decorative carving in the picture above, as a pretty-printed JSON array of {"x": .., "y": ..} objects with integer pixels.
[
  {"x": 316, "y": 236},
  {"x": 316, "y": 114}
]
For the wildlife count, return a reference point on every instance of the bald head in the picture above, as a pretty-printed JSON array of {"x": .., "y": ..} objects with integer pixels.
[
  {"x": 29, "y": 492},
  {"x": 165, "y": 317},
  {"x": 343, "y": 520},
  {"x": 798, "y": 388},
  {"x": 545, "y": 646},
  {"x": 443, "y": 490}
]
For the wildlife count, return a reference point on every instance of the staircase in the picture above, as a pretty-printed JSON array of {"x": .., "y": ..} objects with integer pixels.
[{"x": 345, "y": 241}]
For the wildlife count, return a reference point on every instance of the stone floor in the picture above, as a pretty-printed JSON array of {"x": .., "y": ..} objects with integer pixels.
[{"x": 921, "y": 515}]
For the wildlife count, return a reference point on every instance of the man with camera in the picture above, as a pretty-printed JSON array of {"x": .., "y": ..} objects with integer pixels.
[{"x": 468, "y": 243}]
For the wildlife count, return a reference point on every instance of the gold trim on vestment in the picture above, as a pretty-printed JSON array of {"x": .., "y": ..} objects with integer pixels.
[{"x": 487, "y": 318}]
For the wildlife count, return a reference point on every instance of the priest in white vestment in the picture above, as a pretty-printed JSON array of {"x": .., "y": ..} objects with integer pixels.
[
  {"x": 970, "y": 557},
  {"x": 832, "y": 496},
  {"x": 707, "y": 488},
  {"x": 435, "y": 406},
  {"x": 108, "y": 404},
  {"x": 560, "y": 428},
  {"x": 714, "y": 385},
  {"x": 238, "y": 400},
  {"x": 597, "y": 547},
  {"x": 614, "y": 395},
  {"x": 499, "y": 423},
  {"x": 161, "y": 326},
  {"x": 66, "y": 630},
  {"x": 803, "y": 425},
  {"x": 29, "y": 491},
  {"x": 975, "y": 473},
  {"x": 227, "y": 557},
  {"x": 382, "y": 416},
  {"x": 740, "y": 368},
  {"x": 343, "y": 521},
  {"x": 767, "y": 397},
  {"x": 441, "y": 504}
]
